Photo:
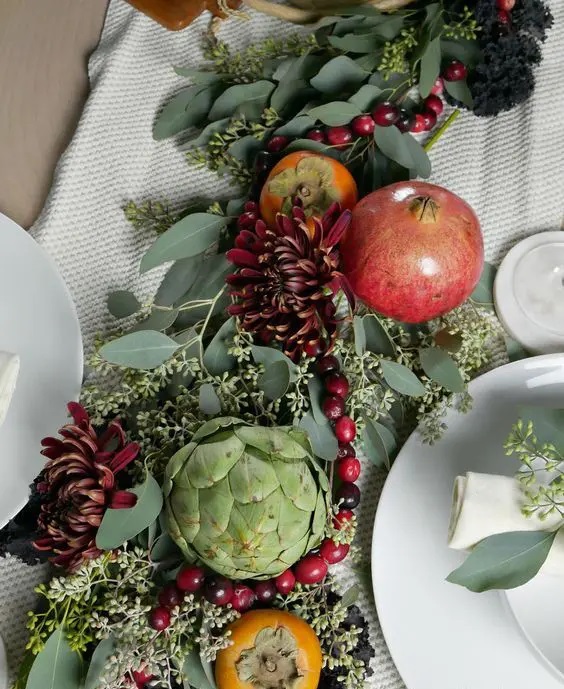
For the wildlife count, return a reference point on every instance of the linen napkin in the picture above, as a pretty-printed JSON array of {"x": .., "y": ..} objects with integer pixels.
[{"x": 488, "y": 504}]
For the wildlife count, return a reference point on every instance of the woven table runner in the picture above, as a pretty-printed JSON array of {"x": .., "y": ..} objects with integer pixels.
[{"x": 510, "y": 169}]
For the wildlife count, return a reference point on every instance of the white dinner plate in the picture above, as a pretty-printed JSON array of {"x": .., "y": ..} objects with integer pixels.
[
  {"x": 38, "y": 321},
  {"x": 442, "y": 636}
]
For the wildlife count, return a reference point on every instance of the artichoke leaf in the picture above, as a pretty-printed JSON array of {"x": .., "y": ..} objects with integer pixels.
[
  {"x": 319, "y": 518},
  {"x": 213, "y": 425},
  {"x": 262, "y": 516},
  {"x": 298, "y": 484},
  {"x": 211, "y": 461},
  {"x": 291, "y": 555},
  {"x": 294, "y": 523},
  {"x": 184, "y": 506},
  {"x": 175, "y": 464},
  {"x": 176, "y": 534},
  {"x": 216, "y": 504},
  {"x": 272, "y": 441},
  {"x": 252, "y": 479},
  {"x": 214, "y": 556}
]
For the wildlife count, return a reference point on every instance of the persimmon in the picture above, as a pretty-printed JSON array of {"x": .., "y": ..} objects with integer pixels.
[
  {"x": 270, "y": 648},
  {"x": 315, "y": 180}
]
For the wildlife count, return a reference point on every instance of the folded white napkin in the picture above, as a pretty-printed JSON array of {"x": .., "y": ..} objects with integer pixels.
[
  {"x": 487, "y": 504},
  {"x": 9, "y": 370}
]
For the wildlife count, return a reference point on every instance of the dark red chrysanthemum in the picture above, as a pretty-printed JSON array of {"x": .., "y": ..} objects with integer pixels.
[
  {"x": 287, "y": 278},
  {"x": 78, "y": 484}
]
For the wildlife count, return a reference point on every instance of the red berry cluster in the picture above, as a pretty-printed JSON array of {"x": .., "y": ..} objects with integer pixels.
[{"x": 504, "y": 8}]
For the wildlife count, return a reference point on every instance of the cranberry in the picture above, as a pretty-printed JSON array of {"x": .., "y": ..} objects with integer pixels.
[
  {"x": 455, "y": 71},
  {"x": 219, "y": 590},
  {"x": 405, "y": 120},
  {"x": 314, "y": 348},
  {"x": 345, "y": 429},
  {"x": 506, "y": 5},
  {"x": 316, "y": 135},
  {"x": 438, "y": 87},
  {"x": 435, "y": 104},
  {"x": 159, "y": 619},
  {"x": 346, "y": 450},
  {"x": 339, "y": 136},
  {"x": 141, "y": 678},
  {"x": 348, "y": 469},
  {"x": 251, "y": 206},
  {"x": 337, "y": 384},
  {"x": 328, "y": 364},
  {"x": 333, "y": 552},
  {"x": 265, "y": 591},
  {"x": 341, "y": 517},
  {"x": 333, "y": 407},
  {"x": 264, "y": 162},
  {"x": 429, "y": 119},
  {"x": 277, "y": 143},
  {"x": 190, "y": 578},
  {"x": 418, "y": 125},
  {"x": 311, "y": 570},
  {"x": 247, "y": 220},
  {"x": 363, "y": 125},
  {"x": 243, "y": 598},
  {"x": 504, "y": 17},
  {"x": 285, "y": 582},
  {"x": 170, "y": 596},
  {"x": 349, "y": 496},
  {"x": 385, "y": 114}
]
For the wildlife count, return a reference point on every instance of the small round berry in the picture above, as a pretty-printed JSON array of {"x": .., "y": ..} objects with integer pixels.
[
  {"x": 251, "y": 206},
  {"x": 438, "y": 87},
  {"x": 243, "y": 598},
  {"x": 265, "y": 591},
  {"x": 348, "y": 469},
  {"x": 247, "y": 220},
  {"x": 505, "y": 5},
  {"x": 219, "y": 590},
  {"x": 141, "y": 678},
  {"x": 316, "y": 135},
  {"x": 285, "y": 582},
  {"x": 337, "y": 384},
  {"x": 346, "y": 450},
  {"x": 277, "y": 144},
  {"x": 159, "y": 619},
  {"x": 503, "y": 17},
  {"x": 345, "y": 429},
  {"x": 333, "y": 407},
  {"x": 264, "y": 162},
  {"x": 339, "y": 136},
  {"x": 363, "y": 125},
  {"x": 190, "y": 579},
  {"x": 405, "y": 120},
  {"x": 314, "y": 348},
  {"x": 385, "y": 114},
  {"x": 341, "y": 517},
  {"x": 418, "y": 125},
  {"x": 455, "y": 71},
  {"x": 429, "y": 119},
  {"x": 170, "y": 596},
  {"x": 327, "y": 364},
  {"x": 311, "y": 570},
  {"x": 349, "y": 496},
  {"x": 333, "y": 552},
  {"x": 434, "y": 103}
]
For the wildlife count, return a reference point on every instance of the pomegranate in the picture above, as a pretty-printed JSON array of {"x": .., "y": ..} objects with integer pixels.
[{"x": 413, "y": 251}]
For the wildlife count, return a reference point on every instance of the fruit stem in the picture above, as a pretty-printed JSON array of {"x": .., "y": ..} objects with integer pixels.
[
  {"x": 442, "y": 129},
  {"x": 425, "y": 208}
]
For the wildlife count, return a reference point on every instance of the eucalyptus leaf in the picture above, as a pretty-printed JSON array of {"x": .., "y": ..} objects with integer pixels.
[
  {"x": 100, "y": 657},
  {"x": 459, "y": 91},
  {"x": 208, "y": 400},
  {"x": 187, "y": 109},
  {"x": 119, "y": 526},
  {"x": 378, "y": 340},
  {"x": 468, "y": 52},
  {"x": 56, "y": 666},
  {"x": 359, "y": 335},
  {"x": 402, "y": 379},
  {"x": 235, "y": 207},
  {"x": 336, "y": 113},
  {"x": 275, "y": 380},
  {"x": 188, "y": 237},
  {"x": 158, "y": 319},
  {"x": 548, "y": 423},
  {"x": 421, "y": 163},
  {"x": 374, "y": 172},
  {"x": 193, "y": 672},
  {"x": 434, "y": 22},
  {"x": 198, "y": 76},
  {"x": 390, "y": 27},
  {"x": 245, "y": 149},
  {"x": 504, "y": 561},
  {"x": 145, "y": 349},
  {"x": 204, "y": 135},
  {"x": 350, "y": 596},
  {"x": 515, "y": 351},
  {"x": 366, "y": 96},
  {"x": 339, "y": 75},
  {"x": 379, "y": 443},
  {"x": 310, "y": 145},
  {"x": 315, "y": 390},
  {"x": 123, "y": 303},
  {"x": 217, "y": 359},
  {"x": 355, "y": 43},
  {"x": 369, "y": 62},
  {"x": 269, "y": 355},
  {"x": 440, "y": 367},
  {"x": 247, "y": 100},
  {"x": 298, "y": 126},
  {"x": 429, "y": 67},
  {"x": 483, "y": 292},
  {"x": 178, "y": 280},
  {"x": 392, "y": 144},
  {"x": 211, "y": 279},
  {"x": 321, "y": 436},
  {"x": 164, "y": 549},
  {"x": 287, "y": 92}
]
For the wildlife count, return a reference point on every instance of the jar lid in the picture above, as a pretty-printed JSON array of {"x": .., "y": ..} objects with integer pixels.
[{"x": 529, "y": 293}]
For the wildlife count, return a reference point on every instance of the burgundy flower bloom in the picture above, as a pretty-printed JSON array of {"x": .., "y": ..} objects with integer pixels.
[
  {"x": 78, "y": 484},
  {"x": 287, "y": 277}
]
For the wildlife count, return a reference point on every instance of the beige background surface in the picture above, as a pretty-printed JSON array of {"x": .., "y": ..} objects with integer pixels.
[{"x": 44, "y": 47}]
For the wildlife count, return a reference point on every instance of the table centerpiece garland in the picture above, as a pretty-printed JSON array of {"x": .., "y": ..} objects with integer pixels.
[{"x": 211, "y": 465}]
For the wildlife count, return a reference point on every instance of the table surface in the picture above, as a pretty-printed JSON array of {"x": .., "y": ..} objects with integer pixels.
[{"x": 44, "y": 48}]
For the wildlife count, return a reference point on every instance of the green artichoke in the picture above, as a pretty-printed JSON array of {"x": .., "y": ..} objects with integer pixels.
[{"x": 247, "y": 501}]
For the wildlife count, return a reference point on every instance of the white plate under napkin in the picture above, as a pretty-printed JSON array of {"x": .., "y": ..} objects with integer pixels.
[{"x": 440, "y": 635}]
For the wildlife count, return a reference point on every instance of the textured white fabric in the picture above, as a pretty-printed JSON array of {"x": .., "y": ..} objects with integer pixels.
[{"x": 509, "y": 169}]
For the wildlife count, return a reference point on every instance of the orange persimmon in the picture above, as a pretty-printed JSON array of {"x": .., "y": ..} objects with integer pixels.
[
  {"x": 316, "y": 180},
  {"x": 269, "y": 648}
]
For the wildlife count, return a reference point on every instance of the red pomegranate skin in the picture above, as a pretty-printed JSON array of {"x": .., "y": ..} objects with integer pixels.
[{"x": 413, "y": 252}]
